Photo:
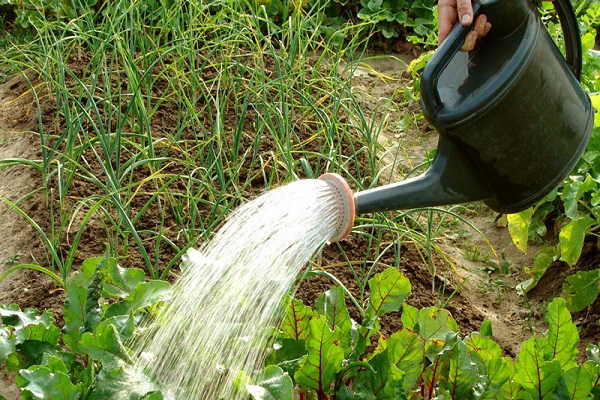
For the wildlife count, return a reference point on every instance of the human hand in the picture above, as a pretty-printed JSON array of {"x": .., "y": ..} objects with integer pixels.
[{"x": 449, "y": 12}]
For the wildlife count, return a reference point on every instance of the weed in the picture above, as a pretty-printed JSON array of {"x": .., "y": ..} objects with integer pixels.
[
  {"x": 473, "y": 253},
  {"x": 494, "y": 286},
  {"x": 13, "y": 260}
]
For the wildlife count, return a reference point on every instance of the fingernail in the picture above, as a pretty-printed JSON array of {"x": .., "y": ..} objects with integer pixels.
[{"x": 465, "y": 19}]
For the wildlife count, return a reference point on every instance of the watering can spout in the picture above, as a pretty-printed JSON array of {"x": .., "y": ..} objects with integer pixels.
[{"x": 451, "y": 179}]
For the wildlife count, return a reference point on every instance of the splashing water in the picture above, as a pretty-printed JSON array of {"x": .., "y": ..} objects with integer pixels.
[{"x": 231, "y": 293}]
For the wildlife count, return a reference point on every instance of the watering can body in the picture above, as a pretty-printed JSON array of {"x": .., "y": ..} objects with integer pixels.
[{"x": 512, "y": 117}]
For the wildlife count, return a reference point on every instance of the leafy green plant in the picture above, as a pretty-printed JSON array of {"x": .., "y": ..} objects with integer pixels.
[
  {"x": 85, "y": 359},
  {"x": 31, "y": 12},
  {"x": 320, "y": 352},
  {"x": 414, "y": 21},
  {"x": 390, "y": 17},
  {"x": 330, "y": 356},
  {"x": 582, "y": 289}
]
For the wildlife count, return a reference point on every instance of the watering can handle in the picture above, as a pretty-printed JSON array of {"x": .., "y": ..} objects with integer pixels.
[
  {"x": 570, "y": 28},
  {"x": 440, "y": 59},
  {"x": 456, "y": 38}
]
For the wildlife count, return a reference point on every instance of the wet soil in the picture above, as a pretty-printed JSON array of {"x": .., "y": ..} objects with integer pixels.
[{"x": 464, "y": 275}]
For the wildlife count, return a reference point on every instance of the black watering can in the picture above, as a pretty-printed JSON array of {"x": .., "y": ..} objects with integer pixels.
[{"x": 512, "y": 117}]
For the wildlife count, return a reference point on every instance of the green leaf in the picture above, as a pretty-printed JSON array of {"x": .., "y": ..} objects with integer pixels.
[
  {"x": 525, "y": 286},
  {"x": 484, "y": 347},
  {"x": 494, "y": 370},
  {"x": 401, "y": 17},
  {"x": 486, "y": 328},
  {"x": 463, "y": 372},
  {"x": 593, "y": 369},
  {"x": 582, "y": 289},
  {"x": 389, "y": 289},
  {"x": 74, "y": 310},
  {"x": 493, "y": 378},
  {"x": 510, "y": 388},
  {"x": 323, "y": 359},
  {"x": 518, "y": 227},
  {"x": 115, "y": 384},
  {"x": 287, "y": 355},
  {"x": 123, "y": 324},
  {"x": 577, "y": 383},
  {"x": 438, "y": 352},
  {"x": 296, "y": 320},
  {"x": 562, "y": 337},
  {"x": 44, "y": 331},
  {"x": 144, "y": 295},
  {"x": 122, "y": 281},
  {"x": 41, "y": 383},
  {"x": 105, "y": 346},
  {"x": 374, "y": 5},
  {"x": 595, "y": 201},
  {"x": 382, "y": 380},
  {"x": 272, "y": 384},
  {"x": 30, "y": 325},
  {"x": 405, "y": 351},
  {"x": 392, "y": 370},
  {"x": 588, "y": 41},
  {"x": 571, "y": 239},
  {"x": 573, "y": 192},
  {"x": 7, "y": 346},
  {"x": 410, "y": 317},
  {"x": 435, "y": 323},
  {"x": 332, "y": 305},
  {"x": 593, "y": 354},
  {"x": 536, "y": 376},
  {"x": 27, "y": 336},
  {"x": 30, "y": 352},
  {"x": 88, "y": 268},
  {"x": 154, "y": 395},
  {"x": 368, "y": 383},
  {"x": 542, "y": 261},
  {"x": 54, "y": 364},
  {"x": 537, "y": 226},
  {"x": 388, "y": 31}
]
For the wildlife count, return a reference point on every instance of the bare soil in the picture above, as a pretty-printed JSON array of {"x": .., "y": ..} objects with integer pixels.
[{"x": 464, "y": 279}]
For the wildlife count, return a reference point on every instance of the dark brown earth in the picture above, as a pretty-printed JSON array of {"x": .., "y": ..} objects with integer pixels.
[{"x": 488, "y": 294}]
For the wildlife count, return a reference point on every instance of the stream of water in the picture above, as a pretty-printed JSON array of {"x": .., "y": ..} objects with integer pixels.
[{"x": 230, "y": 292}]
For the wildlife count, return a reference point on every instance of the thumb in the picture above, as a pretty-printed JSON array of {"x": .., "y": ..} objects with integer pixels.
[{"x": 465, "y": 12}]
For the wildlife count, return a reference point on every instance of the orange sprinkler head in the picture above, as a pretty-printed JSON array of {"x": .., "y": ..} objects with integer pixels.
[{"x": 344, "y": 206}]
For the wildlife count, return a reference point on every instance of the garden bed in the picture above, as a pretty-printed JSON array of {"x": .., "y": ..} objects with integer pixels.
[{"x": 467, "y": 277}]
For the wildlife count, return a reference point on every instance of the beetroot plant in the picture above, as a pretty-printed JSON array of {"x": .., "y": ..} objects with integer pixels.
[{"x": 325, "y": 354}]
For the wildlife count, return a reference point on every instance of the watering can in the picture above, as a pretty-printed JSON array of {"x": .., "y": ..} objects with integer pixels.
[{"x": 512, "y": 118}]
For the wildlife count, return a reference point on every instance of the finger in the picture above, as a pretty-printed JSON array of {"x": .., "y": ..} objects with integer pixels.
[
  {"x": 481, "y": 28},
  {"x": 447, "y": 18},
  {"x": 480, "y": 24},
  {"x": 465, "y": 12},
  {"x": 470, "y": 40},
  {"x": 488, "y": 26}
]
